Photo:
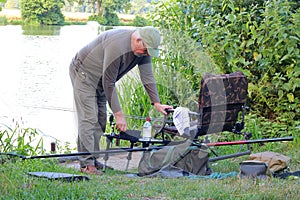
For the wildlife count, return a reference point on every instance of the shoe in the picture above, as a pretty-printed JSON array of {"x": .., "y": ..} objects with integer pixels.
[
  {"x": 99, "y": 165},
  {"x": 90, "y": 169}
]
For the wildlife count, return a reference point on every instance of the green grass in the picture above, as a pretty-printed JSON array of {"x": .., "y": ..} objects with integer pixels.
[{"x": 16, "y": 184}]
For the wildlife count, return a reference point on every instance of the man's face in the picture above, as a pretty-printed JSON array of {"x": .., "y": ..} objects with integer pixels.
[{"x": 141, "y": 49}]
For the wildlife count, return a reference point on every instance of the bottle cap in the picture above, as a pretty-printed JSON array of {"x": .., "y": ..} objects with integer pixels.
[{"x": 148, "y": 119}]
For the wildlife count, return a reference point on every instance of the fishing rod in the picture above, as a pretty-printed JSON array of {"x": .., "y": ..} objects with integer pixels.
[
  {"x": 122, "y": 150},
  {"x": 240, "y": 142},
  {"x": 112, "y": 151},
  {"x": 290, "y": 138}
]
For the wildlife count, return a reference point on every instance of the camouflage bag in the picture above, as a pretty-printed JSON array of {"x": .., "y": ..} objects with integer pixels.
[{"x": 174, "y": 161}]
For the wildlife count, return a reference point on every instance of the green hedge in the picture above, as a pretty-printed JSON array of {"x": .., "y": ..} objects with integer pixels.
[{"x": 257, "y": 37}]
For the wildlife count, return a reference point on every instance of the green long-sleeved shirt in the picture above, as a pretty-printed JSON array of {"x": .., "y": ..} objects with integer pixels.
[{"x": 109, "y": 57}]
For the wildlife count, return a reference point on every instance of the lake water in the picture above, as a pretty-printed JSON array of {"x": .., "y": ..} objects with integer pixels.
[{"x": 35, "y": 87}]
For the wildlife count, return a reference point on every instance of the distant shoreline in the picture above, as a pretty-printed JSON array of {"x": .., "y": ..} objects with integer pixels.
[{"x": 15, "y": 14}]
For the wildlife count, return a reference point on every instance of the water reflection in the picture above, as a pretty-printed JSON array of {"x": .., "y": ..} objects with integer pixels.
[{"x": 40, "y": 30}]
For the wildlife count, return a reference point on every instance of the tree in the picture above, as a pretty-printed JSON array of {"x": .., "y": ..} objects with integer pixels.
[
  {"x": 106, "y": 11},
  {"x": 46, "y": 12},
  {"x": 99, "y": 7},
  {"x": 2, "y": 1},
  {"x": 140, "y": 7}
]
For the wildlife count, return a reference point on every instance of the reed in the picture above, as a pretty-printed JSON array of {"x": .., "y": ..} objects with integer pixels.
[{"x": 21, "y": 140}]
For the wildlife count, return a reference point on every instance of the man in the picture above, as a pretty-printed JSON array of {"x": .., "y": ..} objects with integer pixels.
[{"x": 94, "y": 72}]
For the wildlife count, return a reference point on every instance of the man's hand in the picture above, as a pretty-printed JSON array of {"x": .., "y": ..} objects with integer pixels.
[
  {"x": 121, "y": 125},
  {"x": 162, "y": 108}
]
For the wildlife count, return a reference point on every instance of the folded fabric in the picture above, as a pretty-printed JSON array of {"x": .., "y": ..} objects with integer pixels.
[
  {"x": 276, "y": 161},
  {"x": 216, "y": 175},
  {"x": 181, "y": 120}
]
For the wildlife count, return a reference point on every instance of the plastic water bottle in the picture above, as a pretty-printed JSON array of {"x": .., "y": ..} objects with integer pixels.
[{"x": 147, "y": 130}]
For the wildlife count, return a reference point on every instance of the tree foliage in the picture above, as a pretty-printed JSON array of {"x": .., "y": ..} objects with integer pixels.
[
  {"x": 47, "y": 12},
  {"x": 100, "y": 7},
  {"x": 2, "y": 1},
  {"x": 140, "y": 21},
  {"x": 140, "y": 7},
  {"x": 260, "y": 38},
  {"x": 105, "y": 11}
]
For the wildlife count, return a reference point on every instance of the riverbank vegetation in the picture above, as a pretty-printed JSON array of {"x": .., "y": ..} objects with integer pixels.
[{"x": 259, "y": 38}]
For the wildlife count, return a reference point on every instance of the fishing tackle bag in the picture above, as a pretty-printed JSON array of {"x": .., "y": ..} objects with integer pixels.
[{"x": 175, "y": 161}]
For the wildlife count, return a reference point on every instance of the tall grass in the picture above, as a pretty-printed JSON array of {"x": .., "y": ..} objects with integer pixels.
[
  {"x": 16, "y": 138},
  {"x": 20, "y": 140}
]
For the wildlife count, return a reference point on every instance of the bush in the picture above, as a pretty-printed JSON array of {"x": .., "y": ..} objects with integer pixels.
[
  {"x": 112, "y": 19},
  {"x": 109, "y": 19},
  {"x": 101, "y": 20},
  {"x": 140, "y": 21},
  {"x": 42, "y": 12},
  {"x": 257, "y": 37}
]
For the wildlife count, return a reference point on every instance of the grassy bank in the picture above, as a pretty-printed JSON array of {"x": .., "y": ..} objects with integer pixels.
[{"x": 16, "y": 184}]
